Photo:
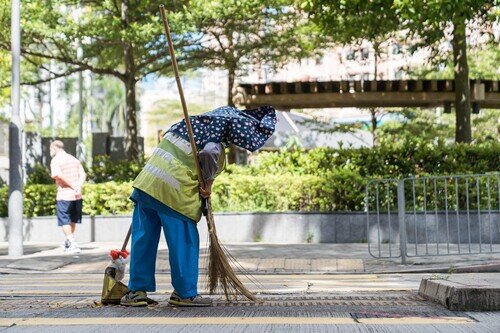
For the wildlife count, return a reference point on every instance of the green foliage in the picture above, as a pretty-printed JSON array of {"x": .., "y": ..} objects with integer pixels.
[
  {"x": 482, "y": 64},
  {"x": 108, "y": 96},
  {"x": 39, "y": 174},
  {"x": 124, "y": 41},
  {"x": 39, "y": 200},
  {"x": 98, "y": 199},
  {"x": 338, "y": 191},
  {"x": 239, "y": 35},
  {"x": 4, "y": 77},
  {"x": 349, "y": 22},
  {"x": 4, "y": 199},
  {"x": 429, "y": 19},
  {"x": 107, "y": 199},
  {"x": 165, "y": 113},
  {"x": 428, "y": 127},
  {"x": 317, "y": 180},
  {"x": 404, "y": 159},
  {"x": 104, "y": 170}
]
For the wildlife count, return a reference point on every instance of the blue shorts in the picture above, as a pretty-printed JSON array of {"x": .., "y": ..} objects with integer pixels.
[{"x": 68, "y": 212}]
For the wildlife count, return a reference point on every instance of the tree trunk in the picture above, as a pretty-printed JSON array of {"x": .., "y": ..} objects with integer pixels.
[
  {"x": 230, "y": 85},
  {"x": 462, "y": 87},
  {"x": 231, "y": 156},
  {"x": 131, "y": 145},
  {"x": 373, "y": 112}
]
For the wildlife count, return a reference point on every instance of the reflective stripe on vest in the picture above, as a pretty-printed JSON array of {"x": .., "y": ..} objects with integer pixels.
[{"x": 170, "y": 177}]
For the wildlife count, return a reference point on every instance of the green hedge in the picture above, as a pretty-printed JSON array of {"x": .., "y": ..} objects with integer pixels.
[
  {"x": 232, "y": 193},
  {"x": 412, "y": 158},
  {"x": 316, "y": 180},
  {"x": 99, "y": 199},
  {"x": 336, "y": 191},
  {"x": 409, "y": 158},
  {"x": 4, "y": 198}
]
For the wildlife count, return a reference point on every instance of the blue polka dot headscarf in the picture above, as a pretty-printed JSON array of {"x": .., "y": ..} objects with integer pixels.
[{"x": 248, "y": 129}]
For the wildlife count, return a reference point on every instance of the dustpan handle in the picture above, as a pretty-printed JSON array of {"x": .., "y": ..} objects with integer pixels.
[{"x": 127, "y": 238}]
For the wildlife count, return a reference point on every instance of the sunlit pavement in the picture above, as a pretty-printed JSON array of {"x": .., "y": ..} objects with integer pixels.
[
  {"x": 69, "y": 302},
  {"x": 301, "y": 287}
]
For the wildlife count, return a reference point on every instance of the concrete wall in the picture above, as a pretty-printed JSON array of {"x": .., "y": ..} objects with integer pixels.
[
  {"x": 433, "y": 227},
  {"x": 279, "y": 228},
  {"x": 231, "y": 227}
]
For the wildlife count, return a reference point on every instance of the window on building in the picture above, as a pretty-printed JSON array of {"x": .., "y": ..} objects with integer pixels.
[
  {"x": 397, "y": 49},
  {"x": 351, "y": 55},
  {"x": 365, "y": 53}
]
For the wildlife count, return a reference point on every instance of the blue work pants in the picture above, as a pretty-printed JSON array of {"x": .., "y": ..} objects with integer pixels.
[{"x": 183, "y": 250}]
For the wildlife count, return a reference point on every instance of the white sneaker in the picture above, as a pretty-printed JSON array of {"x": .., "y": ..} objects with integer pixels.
[
  {"x": 73, "y": 248},
  {"x": 65, "y": 244}
]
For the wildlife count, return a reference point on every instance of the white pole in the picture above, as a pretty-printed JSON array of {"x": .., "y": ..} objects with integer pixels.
[{"x": 15, "y": 142}]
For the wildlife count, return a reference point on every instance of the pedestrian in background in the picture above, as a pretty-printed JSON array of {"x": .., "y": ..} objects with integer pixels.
[{"x": 68, "y": 173}]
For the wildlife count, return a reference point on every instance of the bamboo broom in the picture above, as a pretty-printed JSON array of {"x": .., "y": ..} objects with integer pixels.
[{"x": 221, "y": 275}]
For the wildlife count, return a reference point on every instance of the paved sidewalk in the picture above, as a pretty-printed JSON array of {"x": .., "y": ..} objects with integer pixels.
[
  {"x": 69, "y": 302},
  {"x": 257, "y": 258}
]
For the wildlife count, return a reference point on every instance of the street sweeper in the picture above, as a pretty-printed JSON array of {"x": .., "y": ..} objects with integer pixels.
[{"x": 168, "y": 194}]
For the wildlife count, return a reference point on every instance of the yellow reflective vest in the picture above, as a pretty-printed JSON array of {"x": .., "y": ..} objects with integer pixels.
[{"x": 170, "y": 176}]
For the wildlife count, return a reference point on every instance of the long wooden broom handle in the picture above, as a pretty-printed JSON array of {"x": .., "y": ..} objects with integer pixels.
[
  {"x": 184, "y": 109},
  {"x": 181, "y": 93},
  {"x": 127, "y": 238}
]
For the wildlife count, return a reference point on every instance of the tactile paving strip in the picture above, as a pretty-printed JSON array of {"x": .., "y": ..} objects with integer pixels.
[
  {"x": 406, "y": 300},
  {"x": 396, "y": 300},
  {"x": 359, "y": 306}
]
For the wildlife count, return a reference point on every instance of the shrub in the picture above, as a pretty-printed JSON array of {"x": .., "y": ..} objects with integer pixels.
[
  {"x": 104, "y": 170},
  {"x": 4, "y": 199},
  {"x": 316, "y": 180},
  {"x": 39, "y": 200},
  {"x": 39, "y": 174},
  {"x": 337, "y": 191},
  {"x": 107, "y": 198},
  {"x": 98, "y": 199},
  {"x": 410, "y": 158}
]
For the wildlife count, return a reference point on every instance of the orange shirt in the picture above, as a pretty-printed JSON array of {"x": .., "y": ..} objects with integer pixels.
[{"x": 66, "y": 166}]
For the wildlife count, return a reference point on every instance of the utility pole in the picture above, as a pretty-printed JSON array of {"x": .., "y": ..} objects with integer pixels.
[
  {"x": 51, "y": 106},
  {"x": 15, "y": 142},
  {"x": 79, "y": 54},
  {"x": 79, "y": 150}
]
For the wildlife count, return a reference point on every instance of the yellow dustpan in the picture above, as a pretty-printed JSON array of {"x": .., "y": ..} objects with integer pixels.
[{"x": 112, "y": 289}]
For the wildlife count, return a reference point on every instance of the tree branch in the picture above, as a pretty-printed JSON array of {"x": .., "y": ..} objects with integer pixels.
[
  {"x": 81, "y": 64},
  {"x": 55, "y": 76}
]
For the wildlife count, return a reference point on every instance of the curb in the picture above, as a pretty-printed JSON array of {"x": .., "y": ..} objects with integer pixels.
[{"x": 460, "y": 297}]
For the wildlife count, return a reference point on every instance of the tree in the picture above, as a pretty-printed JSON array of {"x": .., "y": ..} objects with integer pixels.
[
  {"x": 240, "y": 35},
  {"x": 432, "y": 22},
  {"x": 107, "y": 100},
  {"x": 120, "y": 38},
  {"x": 355, "y": 21},
  {"x": 483, "y": 63},
  {"x": 4, "y": 77}
]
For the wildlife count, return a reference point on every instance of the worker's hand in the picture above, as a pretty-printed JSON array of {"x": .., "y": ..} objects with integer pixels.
[{"x": 206, "y": 189}]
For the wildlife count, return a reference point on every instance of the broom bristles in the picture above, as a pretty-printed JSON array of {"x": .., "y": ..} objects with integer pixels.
[{"x": 221, "y": 275}]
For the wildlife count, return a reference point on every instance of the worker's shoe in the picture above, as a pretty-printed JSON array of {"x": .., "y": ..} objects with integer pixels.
[
  {"x": 177, "y": 300},
  {"x": 134, "y": 298}
]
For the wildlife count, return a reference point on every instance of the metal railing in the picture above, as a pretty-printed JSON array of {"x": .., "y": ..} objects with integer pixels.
[{"x": 433, "y": 216}]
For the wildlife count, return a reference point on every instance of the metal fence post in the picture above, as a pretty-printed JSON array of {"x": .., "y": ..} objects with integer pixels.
[{"x": 401, "y": 220}]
